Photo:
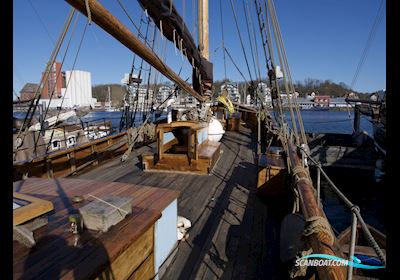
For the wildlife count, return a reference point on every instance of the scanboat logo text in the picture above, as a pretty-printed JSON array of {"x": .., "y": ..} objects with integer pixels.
[{"x": 328, "y": 260}]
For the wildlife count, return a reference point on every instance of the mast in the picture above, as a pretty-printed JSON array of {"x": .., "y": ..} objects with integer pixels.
[{"x": 203, "y": 28}]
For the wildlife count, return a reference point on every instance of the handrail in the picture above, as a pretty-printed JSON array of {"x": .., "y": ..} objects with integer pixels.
[{"x": 353, "y": 208}]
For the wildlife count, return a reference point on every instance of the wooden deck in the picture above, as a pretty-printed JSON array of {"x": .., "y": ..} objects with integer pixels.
[
  {"x": 126, "y": 250},
  {"x": 231, "y": 236}
]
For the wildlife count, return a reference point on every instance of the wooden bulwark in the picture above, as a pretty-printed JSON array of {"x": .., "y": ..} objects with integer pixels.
[
  {"x": 272, "y": 175},
  {"x": 65, "y": 162}
]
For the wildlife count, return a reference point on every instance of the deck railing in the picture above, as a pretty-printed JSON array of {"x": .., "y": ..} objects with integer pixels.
[{"x": 356, "y": 215}]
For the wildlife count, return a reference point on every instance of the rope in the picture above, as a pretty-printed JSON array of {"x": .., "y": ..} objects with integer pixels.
[
  {"x": 57, "y": 75},
  {"x": 298, "y": 169},
  {"x": 89, "y": 14},
  {"x": 73, "y": 67},
  {"x": 371, "y": 36},
  {"x": 33, "y": 105},
  {"x": 301, "y": 270},
  {"x": 290, "y": 80},
  {"x": 241, "y": 40},
  {"x": 131, "y": 20},
  {"x": 110, "y": 204},
  {"x": 237, "y": 68},
  {"x": 355, "y": 209},
  {"x": 222, "y": 38},
  {"x": 250, "y": 41},
  {"x": 318, "y": 224},
  {"x": 255, "y": 39},
  {"x": 280, "y": 55}
]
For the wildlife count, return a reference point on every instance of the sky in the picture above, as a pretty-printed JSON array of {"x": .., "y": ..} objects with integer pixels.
[{"x": 323, "y": 40}]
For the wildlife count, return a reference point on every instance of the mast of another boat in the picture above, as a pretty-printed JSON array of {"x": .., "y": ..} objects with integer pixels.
[{"x": 109, "y": 98}]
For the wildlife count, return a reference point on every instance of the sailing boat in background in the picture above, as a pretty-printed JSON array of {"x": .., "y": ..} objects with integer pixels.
[{"x": 108, "y": 103}]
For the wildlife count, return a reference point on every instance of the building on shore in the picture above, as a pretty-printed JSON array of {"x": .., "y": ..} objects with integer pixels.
[
  {"x": 339, "y": 102},
  {"x": 69, "y": 89},
  {"x": 322, "y": 100},
  {"x": 28, "y": 91},
  {"x": 305, "y": 103},
  {"x": 163, "y": 93}
]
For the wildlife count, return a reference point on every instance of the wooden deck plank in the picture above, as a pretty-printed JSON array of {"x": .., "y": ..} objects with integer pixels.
[
  {"x": 55, "y": 256},
  {"x": 227, "y": 237}
]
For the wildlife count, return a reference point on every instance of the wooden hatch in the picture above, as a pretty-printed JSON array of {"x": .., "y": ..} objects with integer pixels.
[
  {"x": 183, "y": 146},
  {"x": 26, "y": 208}
]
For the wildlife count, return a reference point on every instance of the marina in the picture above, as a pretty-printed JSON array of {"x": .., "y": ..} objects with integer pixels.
[{"x": 195, "y": 178}]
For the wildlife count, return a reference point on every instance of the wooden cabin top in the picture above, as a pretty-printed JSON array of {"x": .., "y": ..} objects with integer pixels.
[{"x": 54, "y": 256}]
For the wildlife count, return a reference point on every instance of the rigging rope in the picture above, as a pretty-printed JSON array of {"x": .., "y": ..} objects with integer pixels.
[
  {"x": 254, "y": 38},
  {"x": 222, "y": 36},
  {"x": 89, "y": 14},
  {"x": 140, "y": 35},
  {"x": 73, "y": 67},
  {"x": 241, "y": 40},
  {"x": 52, "y": 92},
  {"x": 371, "y": 36},
  {"x": 290, "y": 80},
  {"x": 269, "y": 60},
  {"x": 33, "y": 105},
  {"x": 258, "y": 77}
]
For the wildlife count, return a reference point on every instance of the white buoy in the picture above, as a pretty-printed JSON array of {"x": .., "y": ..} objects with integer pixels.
[
  {"x": 169, "y": 110},
  {"x": 215, "y": 130}
]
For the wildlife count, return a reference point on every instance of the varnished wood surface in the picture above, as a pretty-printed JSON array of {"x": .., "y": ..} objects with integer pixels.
[
  {"x": 34, "y": 209},
  {"x": 231, "y": 235},
  {"x": 55, "y": 255}
]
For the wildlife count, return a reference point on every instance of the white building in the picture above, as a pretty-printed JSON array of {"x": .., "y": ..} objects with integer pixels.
[
  {"x": 233, "y": 91},
  {"x": 163, "y": 93},
  {"x": 144, "y": 95},
  {"x": 78, "y": 91},
  {"x": 264, "y": 91}
]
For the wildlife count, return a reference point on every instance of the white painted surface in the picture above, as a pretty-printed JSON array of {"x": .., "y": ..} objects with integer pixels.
[
  {"x": 165, "y": 234},
  {"x": 79, "y": 88},
  {"x": 15, "y": 205},
  {"x": 215, "y": 130}
]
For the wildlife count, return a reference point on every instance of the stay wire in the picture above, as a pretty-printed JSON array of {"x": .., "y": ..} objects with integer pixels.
[
  {"x": 241, "y": 40},
  {"x": 73, "y": 67}
]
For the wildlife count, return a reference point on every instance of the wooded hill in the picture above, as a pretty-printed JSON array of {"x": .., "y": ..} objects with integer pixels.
[{"x": 117, "y": 93}]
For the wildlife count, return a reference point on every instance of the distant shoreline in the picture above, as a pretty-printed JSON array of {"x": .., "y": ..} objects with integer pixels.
[{"x": 332, "y": 109}]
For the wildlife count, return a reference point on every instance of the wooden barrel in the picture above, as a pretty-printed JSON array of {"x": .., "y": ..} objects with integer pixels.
[{"x": 233, "y": 122}]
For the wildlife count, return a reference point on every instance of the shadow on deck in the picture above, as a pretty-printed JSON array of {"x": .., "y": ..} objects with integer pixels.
[{"x": 231, "y": 235}]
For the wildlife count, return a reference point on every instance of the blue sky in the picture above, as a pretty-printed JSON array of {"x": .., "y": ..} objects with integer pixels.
[{"x": 323, "y": 40}]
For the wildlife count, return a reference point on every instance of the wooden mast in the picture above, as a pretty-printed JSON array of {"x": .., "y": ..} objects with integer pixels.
[
  {"x": 203, "y": 28},
  {"x": 115, "y": 28},
  {"x": 320, "y": 242}
]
